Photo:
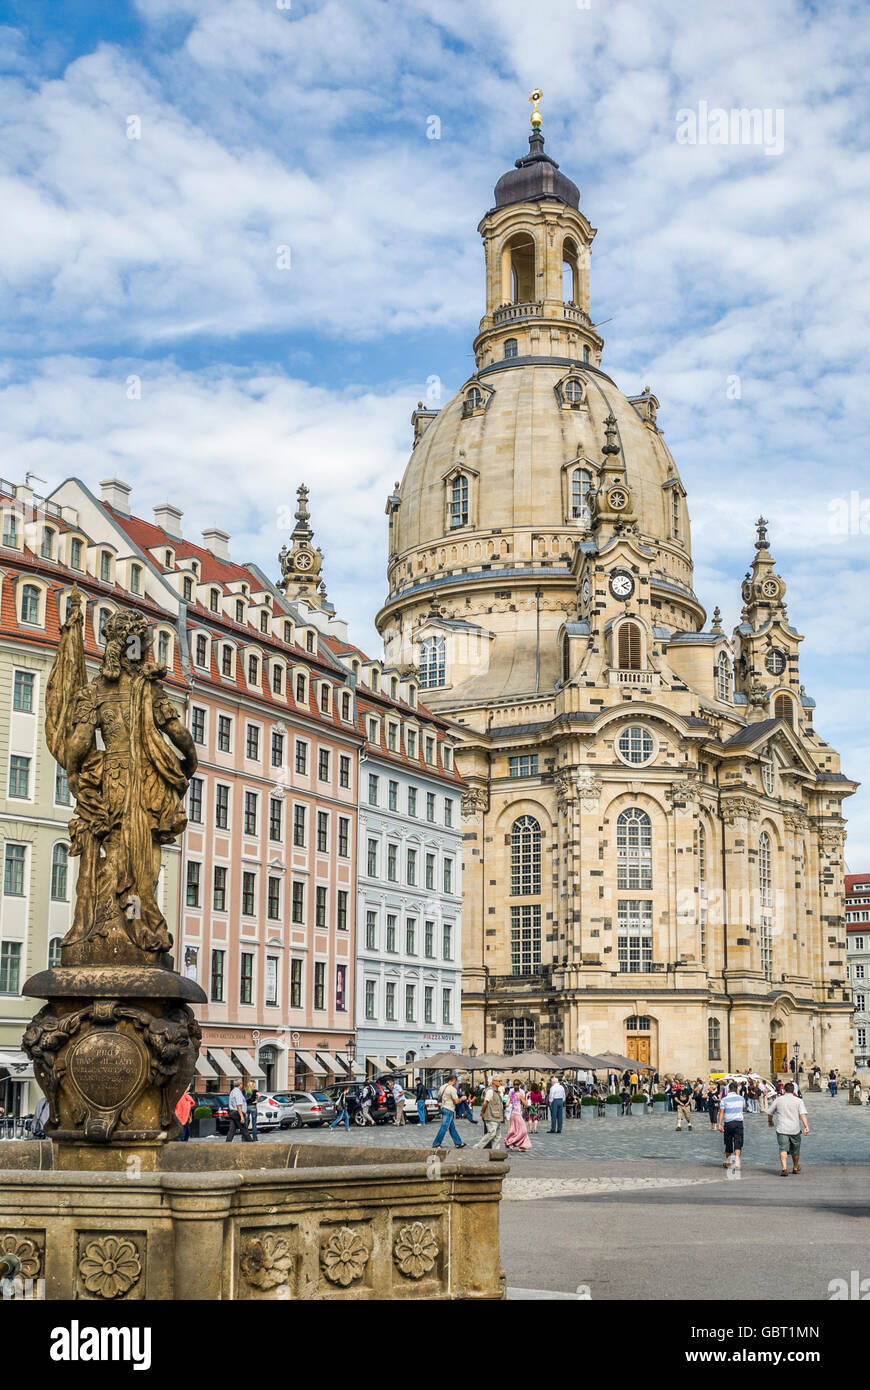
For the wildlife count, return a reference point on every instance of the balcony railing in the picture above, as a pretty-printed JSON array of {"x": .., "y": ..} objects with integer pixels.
[
  {"x": 508, "y": 312},
  {"x": 652, "y": 679},
  {"x": 573, "y": 311}
]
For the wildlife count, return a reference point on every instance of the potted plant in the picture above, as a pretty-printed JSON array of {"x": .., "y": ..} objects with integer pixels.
[
  {"x": 660, "y": 1103},
  {"x": 638, "y": 1104},
  {"x": 613, "y": 1105},
  {"x": 588, "y": 1102},
  {"x": 202, "y": 1122}
]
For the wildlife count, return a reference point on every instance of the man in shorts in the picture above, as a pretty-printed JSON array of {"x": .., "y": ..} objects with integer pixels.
[
  {"x": 730, "y": 1123},
  {"x": 788, "y": 1113},
  {"x": 682, "y": 1100}
]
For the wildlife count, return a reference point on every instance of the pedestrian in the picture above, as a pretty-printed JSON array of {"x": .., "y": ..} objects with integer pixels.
[
  {"x": 342, "y": 1111},
  {"x": 787, "y": 1114},
  {"x": 612, "y": 1082},
  {"x": 399, "y": 1098},
  {"x": 368, "y": 1096},
  {"x": 40, "y": 1115},
  {"x": 536, "y": 1100},
  {"x": 625, "y": 1097},
  {"x": 448, "y": 1097},
  {"x": 252, "y": 1096},
  {"x": 492, "y": 1114},
  {"x": 730, "y": 1123},
  {"x": 682, "y": 1097},
  {"x": 517, "y": 1137},
  {"x": 421, "y": 1095},
  {"x": 832, "y": 1082},
  {"x": 238, "y": 1110},
  {"x": 183, "y": 1110},
  {"x": 556, "y": 1102},
  {"x": 632, "y": 1081},
  {"x": 712, "y": 1103}
]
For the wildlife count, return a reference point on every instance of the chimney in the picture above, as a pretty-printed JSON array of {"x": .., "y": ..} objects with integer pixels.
[
  {"x": 217, "y": 542},
  {"x": 168, "y": 518},
  {"x": 116, "y": 494}
]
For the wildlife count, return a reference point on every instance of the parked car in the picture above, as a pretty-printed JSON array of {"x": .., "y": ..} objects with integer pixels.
[
  {"x": 308, "y": 1108},
  {"x": 383, "y": 1106},
  {"x": 274, "y": 1111}
]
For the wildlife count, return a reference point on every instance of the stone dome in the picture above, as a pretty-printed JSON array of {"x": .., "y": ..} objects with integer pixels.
[{"x": 535, "y": 176}]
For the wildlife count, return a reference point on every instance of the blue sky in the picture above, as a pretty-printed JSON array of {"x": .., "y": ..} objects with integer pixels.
[{"x": 307, "y": 127}]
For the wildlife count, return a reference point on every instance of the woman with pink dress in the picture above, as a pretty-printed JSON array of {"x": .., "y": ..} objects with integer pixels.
[{"x": 517, "y": 1137}]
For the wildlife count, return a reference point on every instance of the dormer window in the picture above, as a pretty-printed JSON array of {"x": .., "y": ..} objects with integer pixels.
[
  {"x": 309, "y": 641},
  {"x": 459, "y": 501},
  {"x": 433, "y": 664},
  {"x": 102, "y": 618},
  {"x": 374, "y": 731},
  {"x": 105, "y": 567},
  {"x": 168, "y": 559},
  {"x": 135, "y": 579},
  {"x": 214, "y": 599},
  {"x": 345, "y": 704},
  {"x": 277, "y": 678},
  {"x": 394, "y": 688},
  {"x": 264, "y": 621},
  {"x": 75, "y": 553},
  {"x": 187, "y": 589},
  {"x": 46, "y": 549},
  {"x": 226, "y": 660},
  {"x": 163, "y": 648},
  {"x": 510, "y": 348},
  {"x": 573, "y": 391},
  {"x": 675, "y": 514},
  {"x": 253, "y": 670},
  {"x": 375, "y": 681},
  {"x": 194, "y": 565},
  {"x": 288, "y": 633},
  {"x": 240, "y": 611},
  {"x": 301, "y": 690},
  {"x": 473, "y": 401},
  {"x": 30, "y": 604},
  {"x": 201, "y": 651},
  {"x": 723, "y": 677},
  {"x": 581, "y": 486}
]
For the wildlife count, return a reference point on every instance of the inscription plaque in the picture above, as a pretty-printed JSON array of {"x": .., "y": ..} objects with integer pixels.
[{"x": 106, "y": 1067}]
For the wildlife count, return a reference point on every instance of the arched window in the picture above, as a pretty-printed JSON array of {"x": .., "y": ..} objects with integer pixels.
[
  {"x": 301, "y": 690},
  {"x": 518, "y": 269},
  {"x": 629, "y": 647},
  {"x": 240, "y": 610},
  {"x": 46, "y": 549},
  {"x": 163, "y": 648},
  {"x": 201, "y": 650},
  {"x": 30, "y": 604},
  {"x": 253, "y": 670},
  {"x": 54, "y": 953},
  {"x": 570, "y": 272},
  {"x": 723, "y": 677},
  {"x": 581, "y": 486},
  {"x": 510, "y": 347},
  {"x": 783, "y": 708},
  {"x": 586, "y": 354},
  {"x": 277, "y": 678},
  {"x": 701, "y": 851},
  {"x": 473, "y": 401},
  {"x": 765, "y": 892},
  {"x": 459, "y": 501},
  {"x": 226, "y": 660},
  {"x": 102, "y": 618},
  {"x": 345, "y": 706},
  {"x": 214, "y": 599},
  {"x": 525, "y": 857},
  {"x": 135, "y": 579},
  {"x": 714, "y": 1039},
  {"x": 188, "y": 589},
  {"x": 432, "y": 662},
  {"x": 59, "y": 863},
  {"x": 634, "y": 850}
]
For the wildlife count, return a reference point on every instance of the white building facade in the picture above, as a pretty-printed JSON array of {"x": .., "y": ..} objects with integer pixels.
[{"x": 858, "y": 960}]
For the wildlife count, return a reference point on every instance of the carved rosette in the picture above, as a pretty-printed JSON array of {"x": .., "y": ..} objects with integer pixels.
[
  {"x": 344, "y": 1256},
  {"x": 109, "y": 1266},
  {"x": 27, "y": 1249},
  {"x": 265, "y": 1260},
  {"x": 415, "y": 1250}
]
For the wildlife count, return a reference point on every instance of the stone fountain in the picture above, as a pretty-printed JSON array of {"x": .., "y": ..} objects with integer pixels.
[{"x": 106, "y": 1208}]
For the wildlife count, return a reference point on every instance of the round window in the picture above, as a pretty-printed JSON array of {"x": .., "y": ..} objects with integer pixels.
[
  {"x": 775, "y": 662},
  {"x": 635, "y": 745},
  {"x": 574, "y": 392}
]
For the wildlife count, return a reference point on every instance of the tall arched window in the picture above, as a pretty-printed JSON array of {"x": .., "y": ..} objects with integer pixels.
[
  {"x": 765, "y": 891},
  {"x": 675, "y": 513},
  {"x": 629, "y": 647},
  {"x": 518, "y": 269},
  {"x": 54, "y": 953},
  {"x": 459, "y": 501},
  {"x": 723, "y": 677},
  {"x": 102, "y": 618},
  {"x": 163, "y": 648},
  {"x": 432, "y": 662},
  {"x": 30, "y": 604},
  {"x": 473, "y": 400},
  {"x": 525, "y": 857},
  {"x": 253, "y": 670},
  {"x": 634, "y": 849},
  {"x": 701, "y": 851},
  {"x": 510, "y": 347},
  {"x": 714, "y": 1039},
  {"x": 783, "y": 708},
  {"x": 570, "y": 272},
  {"x": 59, "y": 863},
  {"x": 226, "y": 660},
  {"x": 581, "y": 486}
]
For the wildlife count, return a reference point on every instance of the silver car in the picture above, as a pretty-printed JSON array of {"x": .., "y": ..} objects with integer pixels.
[
  {"x": 309, "y": 1108},
  {"x": 274, "y": 1111}
]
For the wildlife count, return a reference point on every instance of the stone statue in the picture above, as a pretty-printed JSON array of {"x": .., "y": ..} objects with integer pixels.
[
  {"x": 116, "y": 1045},
  {"x": 128, "y": 793}
]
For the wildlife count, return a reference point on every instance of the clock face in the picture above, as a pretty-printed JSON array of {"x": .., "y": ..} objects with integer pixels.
[
  {"x": 775, "y": 662},
  {"x": 621, "y": 585},
  {"x": 303, "y": 561},
  {"x": 617, "y": 498},
  {"x": 586, "y": 591},
  {"x": 770, "y": 588}
]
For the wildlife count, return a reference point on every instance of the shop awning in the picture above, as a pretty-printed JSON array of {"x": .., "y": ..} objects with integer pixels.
[
  {"x": 248, "y": 1065},
  {"x": 205, "y": 1069},
  {"x": 225, "y": 1064},
  {"x": 311, "y": 1063},
  {"x": 394, "y": 1063},
  {"x": 17, "y": 1063},
  {"x": 374, "y": 1062},
  {"x": 337, "y": 1068}
]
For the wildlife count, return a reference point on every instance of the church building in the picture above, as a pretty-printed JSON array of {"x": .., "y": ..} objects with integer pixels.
[{"x": 653, "y": 829}]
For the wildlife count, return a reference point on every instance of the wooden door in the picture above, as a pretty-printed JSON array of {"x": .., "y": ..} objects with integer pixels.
[
  {"x": 637, "y": 1048},
  {"x": 778, "y": 1052}
]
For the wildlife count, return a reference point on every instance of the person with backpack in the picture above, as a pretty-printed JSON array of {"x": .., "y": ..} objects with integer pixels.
[
  {"x": 342, "y": 1111},
  {"x": 368, "y": 1097},
  {"x": 448, "y": 1098},
  {"x": 421, "y": 1095},
  {"x": 492, "y": 1114}
]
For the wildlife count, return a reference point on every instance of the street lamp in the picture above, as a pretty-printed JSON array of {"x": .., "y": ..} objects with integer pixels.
[
  {"x": 351, "y": 1052},
  {"x": 472, "y": 1051}
]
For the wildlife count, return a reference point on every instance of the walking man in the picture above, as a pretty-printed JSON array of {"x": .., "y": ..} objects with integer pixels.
[
  {"x": 556, "y": 1100},
  {"x": 788, "y": 1113},
  {"x": 730, "y": 1123},
  {"x": 682, "y": 1099},
  {"x": 238, "y": 1108},
  {"x": 449, "y": 1098},
  {"x": 368, "y": 1095},
  {"x": 399, "y": 1098},
  {"x": 492, "y": 1114}
]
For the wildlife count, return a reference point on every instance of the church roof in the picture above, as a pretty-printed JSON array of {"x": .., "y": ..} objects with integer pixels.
[{"x": 535, "y": 176}]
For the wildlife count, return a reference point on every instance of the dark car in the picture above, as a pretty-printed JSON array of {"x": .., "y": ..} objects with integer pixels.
[{"x": 383, "y": 1107}]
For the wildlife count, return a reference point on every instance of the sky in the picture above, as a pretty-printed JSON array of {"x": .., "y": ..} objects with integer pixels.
[{"x": 238, "y": 244}]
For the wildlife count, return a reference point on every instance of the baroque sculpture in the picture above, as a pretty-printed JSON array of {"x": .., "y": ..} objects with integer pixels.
[{"x": 117, "y": 1043}]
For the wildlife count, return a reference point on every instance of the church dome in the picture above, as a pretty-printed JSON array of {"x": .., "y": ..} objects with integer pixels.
[{"x": 535, "y": 176}]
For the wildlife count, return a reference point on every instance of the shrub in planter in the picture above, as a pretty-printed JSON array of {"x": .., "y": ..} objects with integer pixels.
[
  {"x": 588, "y": 1100},
  {"x": 660, "y": 1096},
  {"x": 201, "y": 1112},
  {"x": 613, "y": 1104}
]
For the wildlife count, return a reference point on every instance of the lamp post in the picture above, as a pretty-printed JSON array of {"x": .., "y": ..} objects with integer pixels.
[
  {"x": 472, "y": 1052},
  {"x": 351, "y": 1053}
]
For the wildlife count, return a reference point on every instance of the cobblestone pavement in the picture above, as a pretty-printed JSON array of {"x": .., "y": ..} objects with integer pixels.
[{"x": 839, "y": 1133}]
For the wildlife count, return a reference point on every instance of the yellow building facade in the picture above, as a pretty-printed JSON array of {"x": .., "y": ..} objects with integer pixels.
[{"x": 653, "y": 829}]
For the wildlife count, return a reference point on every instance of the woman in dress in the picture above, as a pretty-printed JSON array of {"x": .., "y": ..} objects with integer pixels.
[
  {"x": 517, "y": 1137},
  {"x": 536, "y": 1100}
]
